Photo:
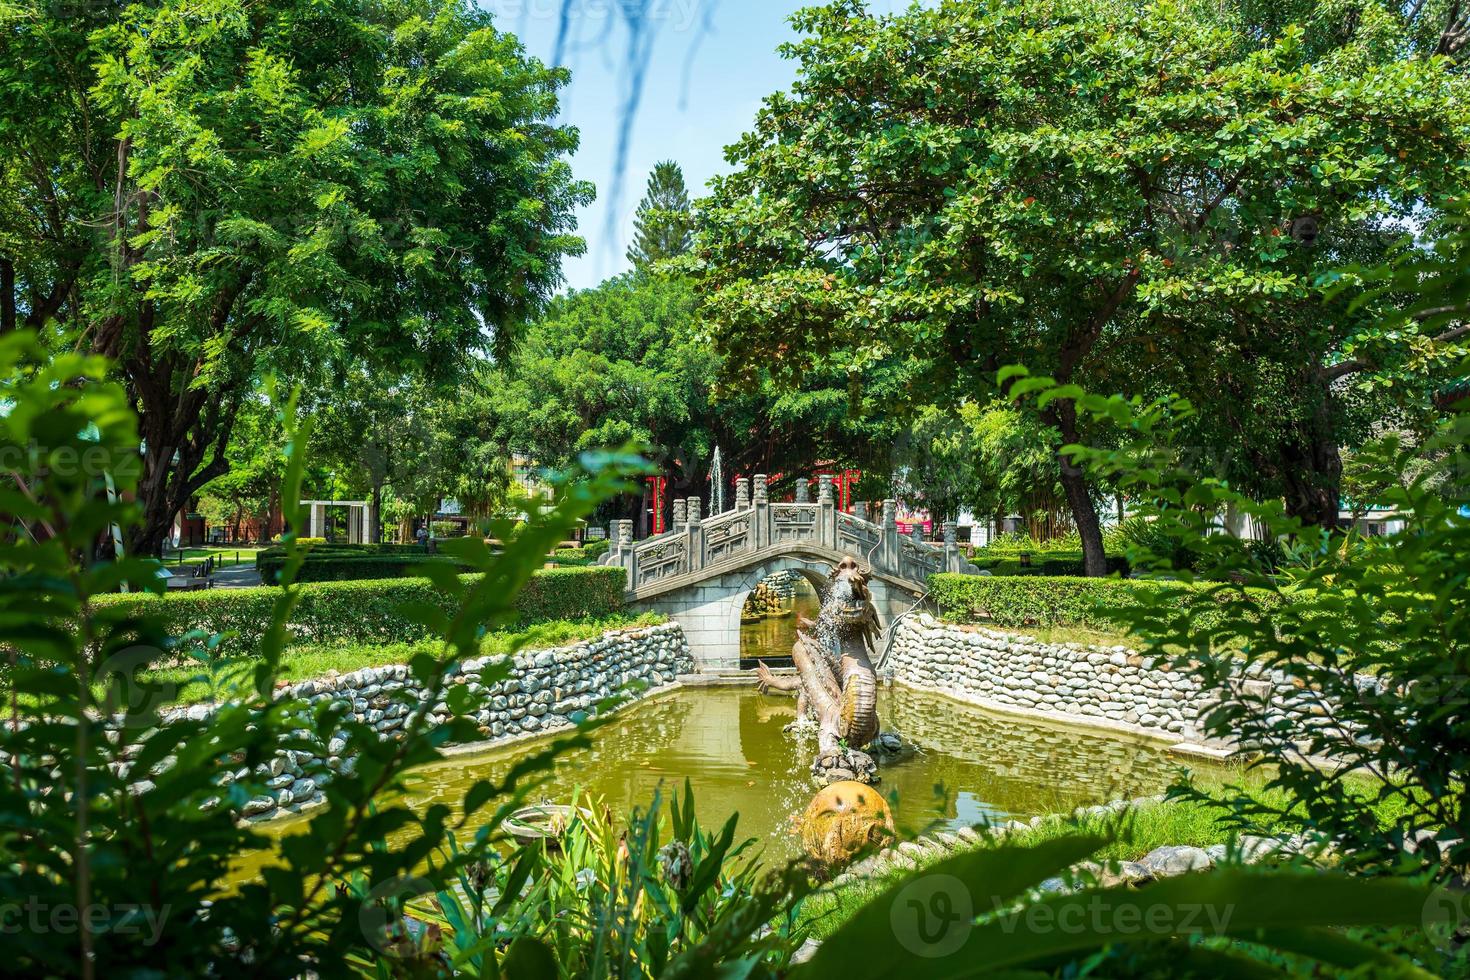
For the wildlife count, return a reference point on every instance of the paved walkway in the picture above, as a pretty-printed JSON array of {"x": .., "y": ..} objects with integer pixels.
[{"x": 236, "y": 577}]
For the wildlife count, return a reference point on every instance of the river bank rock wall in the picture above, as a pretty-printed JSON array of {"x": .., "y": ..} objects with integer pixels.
[
  {"x": 546, "y": 690},
  {"x": 1111, "y": 687}
]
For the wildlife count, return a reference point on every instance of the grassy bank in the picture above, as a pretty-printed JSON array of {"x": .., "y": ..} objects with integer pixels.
[
  {"x": 207, "y": 682},
  {"x": 1133, "y": 835}
]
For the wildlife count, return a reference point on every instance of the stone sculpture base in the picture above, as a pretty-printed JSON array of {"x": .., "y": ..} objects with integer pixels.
[{"x": 844, "y": 765}]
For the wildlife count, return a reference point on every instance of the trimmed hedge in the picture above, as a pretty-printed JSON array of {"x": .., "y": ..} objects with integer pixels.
[
  {"x": 1037, "y": 600},
  {"x": 571, "y": 557},
  {"x": 348, "y": 567},
  {"x": 1077, "y": 567},
  {"x": 367, "y": 611}
]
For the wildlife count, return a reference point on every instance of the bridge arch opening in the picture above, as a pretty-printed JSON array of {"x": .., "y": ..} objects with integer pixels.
[{"x": 708, "y": 605}]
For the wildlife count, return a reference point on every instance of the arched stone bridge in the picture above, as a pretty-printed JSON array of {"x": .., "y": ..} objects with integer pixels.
[{"x": 699, "y": 572}]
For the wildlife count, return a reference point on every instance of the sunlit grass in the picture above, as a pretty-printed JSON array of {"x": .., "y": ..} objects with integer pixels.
[
  {"x": 1131, "y": 836},
  {"x": 212, "y": 682}
]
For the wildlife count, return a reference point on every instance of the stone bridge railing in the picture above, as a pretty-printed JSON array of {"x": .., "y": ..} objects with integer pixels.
[{"x": 758, "y": 527}]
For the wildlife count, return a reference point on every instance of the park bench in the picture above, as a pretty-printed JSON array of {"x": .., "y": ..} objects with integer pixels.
[{"x": 193, "y": 577}]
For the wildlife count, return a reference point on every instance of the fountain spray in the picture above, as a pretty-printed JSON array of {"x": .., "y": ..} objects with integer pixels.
[{"x": 717, "y": 484}]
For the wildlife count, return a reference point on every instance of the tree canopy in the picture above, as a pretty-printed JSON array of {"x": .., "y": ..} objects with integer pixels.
[
  {"x": 207, "y": 192},
  {"x": 1089, "y": 189}
]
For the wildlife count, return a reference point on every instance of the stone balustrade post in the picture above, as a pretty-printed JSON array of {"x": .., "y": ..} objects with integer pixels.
[
  {"x": 803, "y": 490},
  {"x": 742, "y": 494},
  {"x": 624, "y": 546},
  {"x": 917, "y": 533},
  {"x": 679, "y": 513},
  {"x": 892, "y": 548},
  {"x": 951, "y": 546},
  {"x": 695, "y": 535},
  {"x": 826, "y": 511},
  {"x": 860, "y": 509},
  {"x": 761, "y": 525}
]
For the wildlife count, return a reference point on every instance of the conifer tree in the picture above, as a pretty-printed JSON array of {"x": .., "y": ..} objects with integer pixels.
[{"x": 664, "y": 222}]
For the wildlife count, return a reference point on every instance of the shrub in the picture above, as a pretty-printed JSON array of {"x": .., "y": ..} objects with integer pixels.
[
  {"x": 367, "y": 611},
  {"x": 1039, "y": 600},
  {"x": 571, "y": 557},
  {"x": 1116, "y": 565},
  {"x": 350, "y": 566},
  {"x": 1014, "y": 543},
  {"x": 596, "y": 549}
]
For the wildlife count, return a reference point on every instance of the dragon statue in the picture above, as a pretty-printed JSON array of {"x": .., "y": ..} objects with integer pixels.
[{"x": 835, "y": 684}]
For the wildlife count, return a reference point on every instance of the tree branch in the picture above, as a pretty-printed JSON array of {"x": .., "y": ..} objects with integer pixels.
[{"x": 1345, "y": 368}]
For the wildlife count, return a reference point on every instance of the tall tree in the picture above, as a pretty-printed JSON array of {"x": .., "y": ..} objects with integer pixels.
[
  {"x": 663, "y": 227},
  {"x": 1074, "y": 186},
  {"x": 208, "y": 191},
  {"x": 629, "y": 360}
]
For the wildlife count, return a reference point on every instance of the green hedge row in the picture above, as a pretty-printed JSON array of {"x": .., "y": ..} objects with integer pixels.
[
  {"x": 1036, "y": 600},
  {"x": 347, "y": 567},
  {"x": 369, "y": 611},
  {"x": 320, "y": 548}
]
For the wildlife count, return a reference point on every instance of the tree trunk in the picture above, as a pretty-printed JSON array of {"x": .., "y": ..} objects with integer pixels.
[
  {"x": 377, "y": 528},
  {"x": 1063, "y": 414},
  {"x": 7, "y": 295},
  {"x": 1311, "y": 468}
]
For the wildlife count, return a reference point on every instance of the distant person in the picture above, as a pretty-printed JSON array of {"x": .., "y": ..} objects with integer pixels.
[{"x": 422, "y": 535}]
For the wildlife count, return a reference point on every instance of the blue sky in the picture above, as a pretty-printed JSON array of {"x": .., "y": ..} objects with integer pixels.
[{"x": 710, "y": 64}]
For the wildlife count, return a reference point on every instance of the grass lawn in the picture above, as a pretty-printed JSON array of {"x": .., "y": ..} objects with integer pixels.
[
  {"x": 218, "y": 681},
  {"x": 1142, "y": 830},
  {"x": 1071, "y": 634},
  {"x": 224, "y": 555}
]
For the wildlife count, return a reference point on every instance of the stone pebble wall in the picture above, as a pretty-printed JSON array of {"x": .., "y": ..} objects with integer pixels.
[
  {"x": 544, "y": 690},
  {"x": 782, "y": 584},
  {"x": 1109, "y": 685}
]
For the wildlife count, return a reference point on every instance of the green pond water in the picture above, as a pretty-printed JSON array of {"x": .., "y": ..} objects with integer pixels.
[{"x": 967, "y": 764}]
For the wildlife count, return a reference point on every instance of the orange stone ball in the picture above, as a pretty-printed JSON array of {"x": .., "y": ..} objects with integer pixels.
[{"x": 844, "y": 819}]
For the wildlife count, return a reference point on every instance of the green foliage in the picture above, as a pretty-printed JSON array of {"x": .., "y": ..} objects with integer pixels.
[
  {"x": 571, "y": 557},
  {"x": 377, "y": 611},
  {"x": 1372, "y": 631},
  {"x": 596, "y": 549},
  {"x": 95, "y": 811},
  {"x": 1019, "y": 542},
  {"x": 1108, "y": 191},
  {"x": 652, "y": 894},
  {"x": 353, "y": 567},
  {"x": 663, "y": 225},
  {"x": 977, "y": 913},
  {"x": 1037, "y": 600},
  {"x": 133, "y": 826},
  {"x": 283, "y": 184},
  {"x": 608, "y": 366},
  {"x": 989, "y": 458}
]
